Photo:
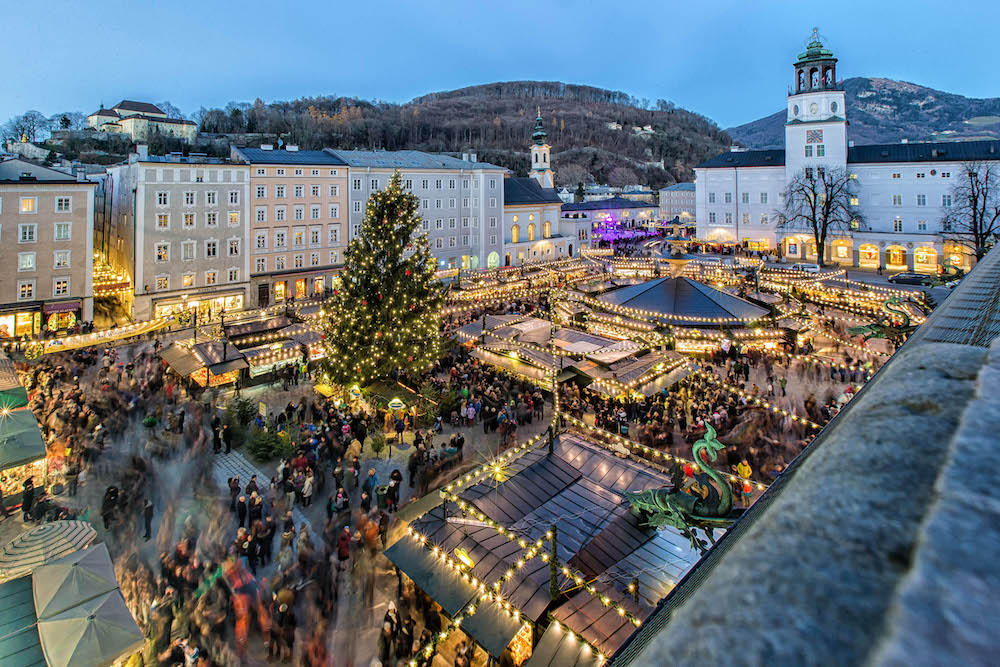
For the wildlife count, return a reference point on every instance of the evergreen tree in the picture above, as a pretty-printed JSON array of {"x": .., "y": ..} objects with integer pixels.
[{"x": 386, "y": 314}]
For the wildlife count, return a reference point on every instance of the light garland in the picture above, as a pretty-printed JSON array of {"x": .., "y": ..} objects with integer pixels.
[{"x": 758, "y": 401}]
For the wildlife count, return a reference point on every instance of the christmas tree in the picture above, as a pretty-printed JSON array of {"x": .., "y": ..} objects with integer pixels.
[{"x": 386, "y": 315}]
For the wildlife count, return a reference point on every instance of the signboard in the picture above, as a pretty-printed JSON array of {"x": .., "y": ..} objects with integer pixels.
[
  {"x": 262, "y": 409},
  {"x": 396, "y": 404}
]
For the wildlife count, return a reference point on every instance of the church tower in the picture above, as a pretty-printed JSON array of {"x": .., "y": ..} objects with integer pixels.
[
  {"x": 816, "y": 128},
  {"x": 541, "y": 171}
]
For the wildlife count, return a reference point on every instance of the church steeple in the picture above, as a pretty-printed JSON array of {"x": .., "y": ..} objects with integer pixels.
[{"x": 540, "y": 169}]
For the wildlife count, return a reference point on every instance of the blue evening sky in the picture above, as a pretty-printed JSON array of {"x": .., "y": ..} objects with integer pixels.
[{"x": 729, "y": 60}]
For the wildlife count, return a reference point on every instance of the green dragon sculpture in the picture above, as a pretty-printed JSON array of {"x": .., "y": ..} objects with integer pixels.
[
  {"x": 684, "y": 511},
  {"x": 885, "y": 323},
  {"x": 949, "y": 273}
]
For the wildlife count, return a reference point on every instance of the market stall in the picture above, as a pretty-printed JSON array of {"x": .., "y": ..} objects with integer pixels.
[
  {"x": 22, "y": 448},
  {"x": 212, "y": 363}
]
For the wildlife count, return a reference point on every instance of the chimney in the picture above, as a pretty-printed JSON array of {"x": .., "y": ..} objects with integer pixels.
[
  {"x": 472, "y": 157},
  {"x": 850, "y": 144},
  {"x": 291, "y": 148},
  {"x": 143, "y": 151},
  {"x": 81, "y": 175},
  {"x": 465, "y": 157},
  {"x": 904, "y": 141},
  {"x": 267, "y": 147},
  {"x": 734, "y": 149}
]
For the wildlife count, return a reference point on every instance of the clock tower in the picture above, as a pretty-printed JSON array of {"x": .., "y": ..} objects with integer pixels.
[
  {"x": 541, "y": 171},
  {"x": 816, "y": 129}
]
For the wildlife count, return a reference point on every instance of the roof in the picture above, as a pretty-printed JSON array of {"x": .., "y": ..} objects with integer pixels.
[
  {"x": 20, "y": 439},
  {"x": 140, "y": 107},
  {"x": 19, "y": 642},
  {"x": 406, "y": 160},
  {"x": 730, "y": 159},
  {"x": 154, "y": 119},
  {"x": 932, "y": 151},
  {"x": 105, "y": 112},
  {"x": 526, "y": 190},
  {"x": 608, "y": 204},
  {"x": 679, "y": 187},
  {"x": 261, "y": 156},
  {"x": 14, "y": 169},
  {"x": 690, "y": 300}
]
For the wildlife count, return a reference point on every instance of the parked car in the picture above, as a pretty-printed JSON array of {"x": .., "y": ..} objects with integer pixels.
[
  {"x": 806, "y": 267},
  {"x": 911, "y": 279}
]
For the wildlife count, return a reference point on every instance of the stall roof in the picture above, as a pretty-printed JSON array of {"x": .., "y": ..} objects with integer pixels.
[
  {"x": 443, "y": 584},
  {"x": 219, "y": 356},
  {"x": 180, "y": 359},
  {"x": 20, "y": 439},
  {"x": 665, "y": 381},
  {"x": 256, "y": 326},
  {"x": 492, "y": 627},
  {"x": 514, "y": 365},
  {"x": 685, "y": 298},
  {"x": 302, "y": 333},
  {"x": 19, "y": 642},
  {"x": 12, "y": 393},
  {"x": 559, "y": 648},
  {"x": 601, "y": 625}
]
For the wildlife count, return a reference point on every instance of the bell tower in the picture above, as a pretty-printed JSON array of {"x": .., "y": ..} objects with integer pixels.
[
  {"x": 541, "y": 171},
  {"x": 816, "y": 126}
]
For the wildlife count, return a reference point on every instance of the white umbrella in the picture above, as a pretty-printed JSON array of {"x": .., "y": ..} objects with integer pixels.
[
  {"x": 72, "y": 579},
  {"x": 40, "y": 545},
  {"x": 94, "y": 633}
]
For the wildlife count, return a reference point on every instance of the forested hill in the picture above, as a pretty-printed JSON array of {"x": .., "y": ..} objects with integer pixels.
[
  {"x": 883, "y": 111},
  {"x": 596, "y": 135}
]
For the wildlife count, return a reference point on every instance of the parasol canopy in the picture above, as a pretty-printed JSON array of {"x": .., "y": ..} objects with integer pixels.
[
  {"x": 39, "y": 545},
  {"x": 20, "y": 438},
  {"x": 73, "y": 579},
  {"x": 94, "y": 633}
]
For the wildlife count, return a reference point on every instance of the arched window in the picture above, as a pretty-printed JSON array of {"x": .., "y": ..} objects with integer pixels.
[
  {"x": 536, "y": 158},
  {"x": 547, "y": 229},
  {"x": 813, "y": 78},
  {"x": 515, "y": 233},
  {"x": 531, "y": 231},
  {"x": 802, "y": 80}
]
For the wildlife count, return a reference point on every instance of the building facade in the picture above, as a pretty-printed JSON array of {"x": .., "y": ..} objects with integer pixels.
[
  {"x": 47, "y": 244},
  {"x": 298, "y": 208},
  {"x": 187, "y": 217},
  {"x": 677, "y": 201},
  {"x": 461, "y": 200},
  {"x": 140, "y": 121},
  {"x": 903, "y": 190},
  {"x": 534, "y": 228}
]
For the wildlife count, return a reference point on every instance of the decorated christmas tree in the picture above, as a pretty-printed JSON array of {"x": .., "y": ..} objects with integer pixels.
[{"x": 386, "y": 313}]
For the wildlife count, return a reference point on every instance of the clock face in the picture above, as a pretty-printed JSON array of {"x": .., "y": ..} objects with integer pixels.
[{"x": 813, "y": 108}]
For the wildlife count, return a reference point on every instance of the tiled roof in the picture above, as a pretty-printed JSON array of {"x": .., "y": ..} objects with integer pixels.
[
  {"x": 172, "y": 121},
  {"x": 937, "y": 151},
  {"x": 607, "y": 204},
  {"x": 768, "y": 158},
  {"x": 140, "y": 107},
  {"x": 12, "y": 170},
  {"x": 406, "y": 160},
  {"x": 683, "y": 297},
  {"x": 105, "y": 112},
  {"x": 679, "y": 187},
  {"x": 261, "y": 156},
  {"x": 527, "y": 190}
]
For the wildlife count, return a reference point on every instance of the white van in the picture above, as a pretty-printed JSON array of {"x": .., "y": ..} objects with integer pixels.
[{"x": 806, "y": 267}]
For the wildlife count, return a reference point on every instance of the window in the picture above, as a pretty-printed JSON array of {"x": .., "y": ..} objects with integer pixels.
[
  {"x": 424, "y": 184},
  {"x": 515, "y": 234},
  {"x": 357, "y": 207},
  {"x": 711, "y": 197},
  {"x": 809, "y": 173},
  {"x": 711, "y": 217},
  {"x": 945, "y": 200},
  {"x": 729, "y": 197},
  {"x": 763, "y": 219},
  {"x": 234, "y": 218},
  {"x": 234, "y": 275},
  {"x": 25, "y": 290},
  {"x": 452, "y": 223},
  {"x": 261, "y": 191},
  {"x": 746, "y": 197},
  {"x": 212, "y": 219},
  {"x": 820, "y": 172},
  {"x": 315, "y": 172},
  {"x": 808, "y": 150},
  {"x": 493, "y": 222},
  {"x": 279, "y": 263},
  {"x": 438, "y": 243},
  {"x": 920, "y": 175},
  {"x": 60, "y": 259},
  {"x": 408, "y": 184},
  {"x": 261, "y": 172},
  {"x": 493, "y": 239},
  {"x": 162, "y": 221},
  {"x": 334, "y": 257},
  {"x": 897, "y": 200},
  {"x": 25, "y": 261},
  {"x": 299, "y": 213},
  {"x": 162, "y": 282},
  {"x": 188, "y": 220},
  {"x": 314, "y": 213},
  {"x": 279, "y": 213},
  {"x": 426, "y": 224},
  {"x": 234, "y": 196},
  {"x": 465, "y": 202},
  {"x": 333, "y": 233},
  {"x": 314, "y": 191},
  {"x": 452, "y": 241},
  {"x": 279, "y": 191},
  {"x": 314, "y": 259},
  {"x": 897, "y": 175},
  {"x": 945, "y": 174},
  {"x": 298, "y": 261},
  {"x": 60, "y": 287},
  {"x": 280, "y": 172},
  {"x": 493, "y": 183},
  {"x": 465, "y": 222},
  {"x": 187, "y": 280},
  {"x": 162, "y": 252},
  {"x": 298, "y": 172},
  {"x": 234, "y": 247},
  {"x": 374, "y": 184},
  {"x": 299, "y": 191},
  {"x": 261, "y": 240},
  {"x": 64, "y": 204},
  {"x": 746, "y": 218},
  {"x": 211, "y": 277},
  {"x": 189, "y": 199},
  {"x": 334, "y": 190},
  {"x": 27, "y": 233},
  {"x": 921, "y": 225},
  {"x": 451, "y": 202},
  {"x": 438, "y": 203},
  {"x": 211, "y": 249},
  {"x": 187, "y": 251},
  {"x": 439, "y": 223},
  {"x": 820, "y": 150},
  {"x": 897, "y": 225},
  {"x": 261, "y": 214},
  {"x": 465, "y": 239},
  {"x": 356, "y": 184},
  {"x": 493, "y": 202},
  {"x": 451, "y": 184},
  {"x": 729, "y": 218},
  {"x": 763, "y": 197},
  {"x": 210, "y": 198},
  {"x": 334, "y": 211},
  {"x": 437, "y": 184},
  {"x": 279, "y": 238},
  {"x": 314, "y": 235},
  {"x": 298, "y": 237},
  {"x": 946, "y": 225},
  {"x": 162, "y": 198},
  {"x": 921, "y": 200}
]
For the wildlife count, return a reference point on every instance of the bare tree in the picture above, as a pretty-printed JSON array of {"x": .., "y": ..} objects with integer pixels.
[
  {"x": 973, "y": 218},
  {"x": 819, "y": 200}
]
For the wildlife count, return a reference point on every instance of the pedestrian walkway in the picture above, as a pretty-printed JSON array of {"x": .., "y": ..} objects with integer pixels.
[{"x": 235, "y": 464}]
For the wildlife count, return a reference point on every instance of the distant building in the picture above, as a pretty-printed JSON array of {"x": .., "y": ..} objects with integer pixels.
[
  {"x": 677, "y": 201},
  {"x": 641, "y": 193},
  {"x": 140, "y": 121},
  {"x": 598, "y": 192},
  {"x": 183, "y": 222},
  {"x": 533, "y": 228},
  {"x": 617, "y": 211},
  {"x": 47, "y": 219},
  {"x": 461, "y": 200},
  {"x": 567, "y": 196},
  {"x": 298, "y": 208}
]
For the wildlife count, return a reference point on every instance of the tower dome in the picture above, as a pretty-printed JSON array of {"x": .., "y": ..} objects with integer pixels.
[
  {"x": 538, "y": 136},
  {"x": 815, "y": 68}
]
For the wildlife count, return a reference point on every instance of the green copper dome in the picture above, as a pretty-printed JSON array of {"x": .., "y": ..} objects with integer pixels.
[
  {"x": 539, "y": 136},
  {"x": 815, "y": 49}
]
